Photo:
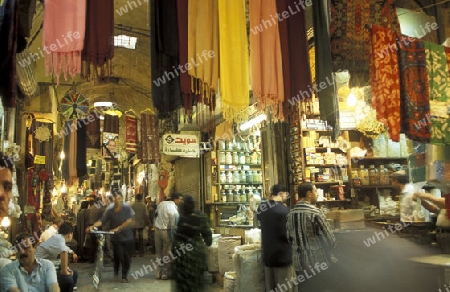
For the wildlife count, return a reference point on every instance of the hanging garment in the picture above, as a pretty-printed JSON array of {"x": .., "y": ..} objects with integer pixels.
[
  {"x": 385, "y": 79},
  {"x": 414, "y": 94},
  {"x": 149, "y": 137},
  {"x": 234, "y": 83},
  {"x": 93, "y": 131},
  {"x": 131, "y": 134},
  {"x": 203, "y": 48},
  {"x": 328, "y": 100},
  {"x": 8, "y": 47},
  {"x": 164, "y": 54},
  {"x": 111, "y": 124},
  {"x": 26, "y": 10},
  {"x": 98, "y": 49},
  {"x": 294, "y": 52},
  {"x": 63, "y": 36},
  {"x": 66, "y": 147},
  {"x": 188, "y": 97},
  {"x": 350, "y": 34},
  {"x": 438, "y": 80},
  {"x": 266, "y": 65},
  {"x": 73, "y": 153},
  {"x": 81, "y": 150}
]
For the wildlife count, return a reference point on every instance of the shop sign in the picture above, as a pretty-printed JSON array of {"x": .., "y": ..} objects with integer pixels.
[
  {"x": 38, "y": 159},
  {"x": 181, "y": 145}
]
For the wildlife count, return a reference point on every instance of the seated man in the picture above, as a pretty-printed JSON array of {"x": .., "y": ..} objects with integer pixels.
[
  {"x": 52, "y": 230},
  {"x": 54, "y": 246},
  {"x": 28, "y": 273}
]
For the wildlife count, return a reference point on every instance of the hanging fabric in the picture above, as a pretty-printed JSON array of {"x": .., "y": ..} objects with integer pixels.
[
  {"x": 93, "y": 131},
  {"x": 164, "y": 56},
  {"x": 294, "y": 51},
  {"x": 149, "y": 138},
  {"x": 202, "y": 33},
  {"x": 111, "y": 124},
  {"x": 98, "y": 49},
  {"x": 66, "y": 147},
  {"x": 81, "y": 150},
  {"x": 26, "y": 10},
  {"x": 188, "y": 97},
  {"x": 328, "y": 100},
  {"x": 73, "y": 153},
  {"x": 234, "y": 83},
  {"x": 131, "y": 134},
  {"x": 350, "y": 34},
  {"x": 266, "y": 65},
  {"x": 437, "y": 63},
  {"x": 385, "y": 79},
  {"x": 414, "y": 98},
  {"x": 8, "y": 47},
  {"x": 63, "y": 36}
]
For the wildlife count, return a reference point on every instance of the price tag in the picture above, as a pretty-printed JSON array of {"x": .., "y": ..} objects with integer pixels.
[{"x": 38, "y": 159}]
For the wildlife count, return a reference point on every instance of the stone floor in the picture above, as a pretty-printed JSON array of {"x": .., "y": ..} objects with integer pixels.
[{"x": 147, "y": 282}]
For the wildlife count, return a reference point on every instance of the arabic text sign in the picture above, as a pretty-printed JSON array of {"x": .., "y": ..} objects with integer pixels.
[{"x": 181, "y": 145}]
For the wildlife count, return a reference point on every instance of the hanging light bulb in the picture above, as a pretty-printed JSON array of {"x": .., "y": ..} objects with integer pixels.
[
  {"x": 6, "y": 222},
  {"x": 351, "y": 99}
]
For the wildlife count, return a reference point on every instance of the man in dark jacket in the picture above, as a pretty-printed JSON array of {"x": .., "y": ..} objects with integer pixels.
[
  {"x": 140, "y": 222},
  {"x": 276, "y": 250}
]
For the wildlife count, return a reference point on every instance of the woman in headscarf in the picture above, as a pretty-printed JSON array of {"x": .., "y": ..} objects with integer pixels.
[{"x": 192, "y": 236}]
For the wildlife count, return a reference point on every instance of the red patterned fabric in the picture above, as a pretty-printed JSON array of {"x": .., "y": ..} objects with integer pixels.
[
  {"x": 415, "y": 93},
  {"x": 350, "y": 34},
  {"x": 131, "y": 134},
  {"x": 149, "y": 137},
  {"x": 385, "y": 79}
]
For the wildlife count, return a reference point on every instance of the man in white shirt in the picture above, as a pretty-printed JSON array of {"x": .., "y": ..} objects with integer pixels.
[
  {"x": 166, "y": 220},
  {"x": 400, "y": 180},
  {"x": 52, "y": 230},
  {"x": 54, "y": 246}
]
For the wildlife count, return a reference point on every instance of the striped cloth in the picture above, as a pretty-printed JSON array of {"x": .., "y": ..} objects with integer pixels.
[
  {"x": 131, "y": 134},
  {"x": 310, "y": 235}
]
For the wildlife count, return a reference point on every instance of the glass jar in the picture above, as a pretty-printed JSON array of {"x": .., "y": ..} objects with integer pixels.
[
  {"x": 228, "y": 158},
  {"x": 249, "y": 179},
  {"x": 230, "y": 196},
  {"x": 235, "y": 158},
  {"x": 259, "y": 176},
  {"x": 364, "y": 176},
  {"x": 223, "y": 194},
  {"x": 258, "y": 159},
  {"x": 236, "y": 197},
  {"x": 241, "y": 158},
  {"x": 243, "y": 177},
  {"x": 229, "y": 175},
  {"x": 248, "y": 158},
  {"x": 255, "y": 176},
  {"x": 222, "y": 156},
  {"x": 229, "y": 145},
  {"x": 254, "y": 158},
  {"x": 384, "y": 176},
  {"x": 221, "y": 144},
  {"x": 238, "y": 144},
  {"x": 373, "y": 175},
  {"x": 236, "y": 177},
  {"x": 243, "y": 196},
  {"x": 222, "y": 177}
]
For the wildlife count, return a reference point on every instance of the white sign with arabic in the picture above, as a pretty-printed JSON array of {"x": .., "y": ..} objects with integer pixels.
[{"x": 181, "y": 145}]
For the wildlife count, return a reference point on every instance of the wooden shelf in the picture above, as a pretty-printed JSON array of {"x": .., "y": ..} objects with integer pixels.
[
  {"x": 250, "y": 165},
  {"x": 317, "y": 183},
  {"x": 326, "y": 165},
  {"x": 374, "y": 187},
  {"x": 378, "y": 158}
]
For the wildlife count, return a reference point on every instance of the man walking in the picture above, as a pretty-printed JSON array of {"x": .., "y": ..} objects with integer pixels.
[
  {"x": 140, "y": 221},
  {"x": 120, "y": 217},
  {"x": 312, "y": 240},
  {"x": 166, "y": 221},
  {"x": 276, "y": 249}
]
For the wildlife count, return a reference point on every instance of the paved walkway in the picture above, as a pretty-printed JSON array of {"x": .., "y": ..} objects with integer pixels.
[{"x": 147, "y": 282}]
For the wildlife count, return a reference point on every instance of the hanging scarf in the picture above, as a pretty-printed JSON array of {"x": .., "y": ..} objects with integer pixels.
[
  {"x": 187, "y": 94},
  {"x": 164, "y": 45},
  {"x": 66, "y": 147},
  {"x": 73, "y": 153},
  {"x": 93, "y": 130},
  {"x": 111, "y": 124},
  {"x": 149, "y": 138},
  {"x": 294, "y": 51},
  {"x": 350, "y": 34},
  {"x": 328, "y": 100},
  {"x": 438, "y": 79},
  {"x": 81, "y": 150},
  {"x": 385, "y": 79},
  {"x": 131, "y": 134},
  {"x": 266, "y": 69},
  {"x": 8, "y": 45},
  {"x": 414, "y": 98},
  {"x": 98, "y": 49},
  {"x": 64, "y": 29},
  {"x": 234, "y": 83},
  {"x": 203, "y": 48}
]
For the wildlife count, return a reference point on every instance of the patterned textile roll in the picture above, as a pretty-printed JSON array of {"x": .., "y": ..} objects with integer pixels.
[
  {"x": 149, "y": 137},
  {"x": 131, "y": 134}
]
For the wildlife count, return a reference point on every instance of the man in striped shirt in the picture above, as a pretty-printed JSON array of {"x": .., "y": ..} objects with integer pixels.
[{"x": 311, "y": 237}]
